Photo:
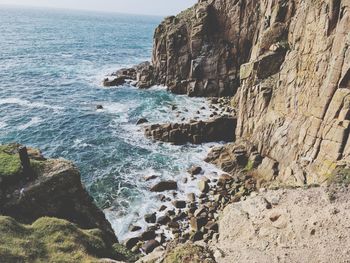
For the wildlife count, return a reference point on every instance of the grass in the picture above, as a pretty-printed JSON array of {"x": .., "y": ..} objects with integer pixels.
[
  {"x": 53, "y": 240},
  {"x": 10, "y": 164},
  {"x": 249, "y": 166},
  {"x": 187, "y": 254},
  {"x": 340, "y": 176}
]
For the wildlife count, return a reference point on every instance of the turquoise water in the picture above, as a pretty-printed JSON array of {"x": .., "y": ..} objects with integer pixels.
[{"x": 51, "y": 67}]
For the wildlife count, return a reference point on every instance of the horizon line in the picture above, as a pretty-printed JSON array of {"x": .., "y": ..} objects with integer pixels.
[{"x": 80, "y": 9}]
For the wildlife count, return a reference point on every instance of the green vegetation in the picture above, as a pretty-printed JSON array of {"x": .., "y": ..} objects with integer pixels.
[
  {"x": 53, "y": 240},
  {"x": 10, "y": 164},
  {"x": 249, "y": 166},
  {"x": 187, "y": 254},
  {"x": 340, "y": 176}
]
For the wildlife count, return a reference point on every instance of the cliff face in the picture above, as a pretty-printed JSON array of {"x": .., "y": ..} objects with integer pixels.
[
  {"x": 199, "y": 52},
  {"x": 288, "y": 65},
  {"x": 52, "y": 189},
  {"x": 62, "y": 221}
]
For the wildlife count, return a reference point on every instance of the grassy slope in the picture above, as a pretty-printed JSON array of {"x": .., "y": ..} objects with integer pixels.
[
  {"x": 53, "y": 240},
  {"x": 10, "y": 164}
]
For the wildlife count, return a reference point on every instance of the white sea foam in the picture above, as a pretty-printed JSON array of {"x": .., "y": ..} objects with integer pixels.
[
  {"x": 34, "y": 121},
  {"x": 182, "y": 157},
  {"x": 28, "y": 104},
  {"x": 78, "y": 143},
  {"x": 2, "y": 124}
]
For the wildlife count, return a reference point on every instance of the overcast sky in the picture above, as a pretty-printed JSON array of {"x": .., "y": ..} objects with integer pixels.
[{"x": 149, "y": 7}]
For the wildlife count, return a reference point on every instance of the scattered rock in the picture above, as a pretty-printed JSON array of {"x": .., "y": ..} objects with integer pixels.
[
  {"x": 150, "y": 177},
  {"x": 179, "y": 203},
  {"x": 203, "y": 186},
  {"x": 149, "y": 246},
  {"x": 133, "y": 228},
  {"x": 151, "y": 218},
  {"x": 164, "y": 186},
  {"x": 141, "y": 121},
  {"x": 163, "y": 220},
  {"x": 148, "y": 235},
  {"x": 131, "y": 242},
  {"x": 195, "y": 170}
]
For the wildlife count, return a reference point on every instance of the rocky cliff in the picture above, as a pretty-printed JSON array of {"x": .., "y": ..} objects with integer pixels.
[
  {"x": 61, "y": 220},
  {"x": 287, "y": 63}
]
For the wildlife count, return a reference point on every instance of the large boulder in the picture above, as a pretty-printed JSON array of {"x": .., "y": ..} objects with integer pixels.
[
  {"x": 164, "y": 186},
  {"x": 215, "y": 130}
]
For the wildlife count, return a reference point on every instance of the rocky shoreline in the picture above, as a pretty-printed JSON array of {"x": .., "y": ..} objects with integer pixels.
[
  {"x": 194, "y": 218},
  {"x": 284, "y": 65}
]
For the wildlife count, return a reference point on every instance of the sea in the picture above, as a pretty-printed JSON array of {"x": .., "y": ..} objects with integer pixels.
[{"x": 52, "y": 63}]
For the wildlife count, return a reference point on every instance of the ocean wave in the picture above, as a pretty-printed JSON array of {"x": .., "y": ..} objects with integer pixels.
[
  {"x": 2, "y": 124},
  {"x": 78, "y": 143},
  {"x": 34, "y": 121},
  {"x": 28, "y": 104}
]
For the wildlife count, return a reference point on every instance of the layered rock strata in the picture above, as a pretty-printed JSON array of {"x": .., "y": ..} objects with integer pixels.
[
  {"x": 197, "y": 132},
  {"x": 286, "y": 62}
]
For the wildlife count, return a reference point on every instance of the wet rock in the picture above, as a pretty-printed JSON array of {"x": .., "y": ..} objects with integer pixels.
[
  {"x": 180, "y": 216},
  {"x": 164, "y": 186},
  {"x": 195, "y": 170},
  {"x": 212, "y": 226},
  {"x": 162, "y": 208},
  {"x": 200, "y": 211},
  {"x": 191, "y": 197},
  {"x": 170, "y": 213},
  {"x": 151, "y": 218},
  {"x": 150, "y": 177},
  {"x": 198, "y": 222},
  {"x": 99, "y": 107},
  {"x": 163, "y": 220},
  {"x": 148, "y": 235},
  {"x": 179, "y": 203},
  {"x": 203, "y": 186},
  {"x": 173, "y": 225},
  {"x": 149, "y": 246},
  {"x": 133, "y": 228},
  {"x": 196, "y": 132},
  {"x": 118, "y": 81},
  {"x": 196, "y": 236},
  {"x": 131, "y": 242},
  {"x": 141, "y": 121}
]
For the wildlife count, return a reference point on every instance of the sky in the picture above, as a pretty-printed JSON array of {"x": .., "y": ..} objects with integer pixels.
[{"x": 147, "y": 7}]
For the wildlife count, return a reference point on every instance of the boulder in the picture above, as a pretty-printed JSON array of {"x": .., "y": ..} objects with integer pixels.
[
  {"x": 131, "y": 242},
  {"x": 151, "y": 218},
  {"x": 195, "y": 170},
  {"x": 148, "y": 235},
  {"x": 141, "y": 121},
  {"x": 163, "y": 220},
  {"x": 203, "y": 186},
  {"x": 133, "y": 228},
  {"x": 149, "y": 246},
  {"x": 118, "y": 81},
  {"x": 195, "y": 132},
  {"x": 164, "y": 186},
  {"x": 179, "y": 203}
]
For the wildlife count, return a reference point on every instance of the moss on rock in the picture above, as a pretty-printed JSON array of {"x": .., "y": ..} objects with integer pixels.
[
  {"x": 10, "y": 164},
  {"x": 189, "y": 254},
  {"x": 52, "y": 240}
]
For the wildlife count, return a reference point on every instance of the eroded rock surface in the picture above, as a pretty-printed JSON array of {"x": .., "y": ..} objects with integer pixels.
[
  {"x": 286, "y": 62},
  {"x": 54, "y": 190},
  {"x": 298, "y": 226},
  {"x": 197, "y": 132}
]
